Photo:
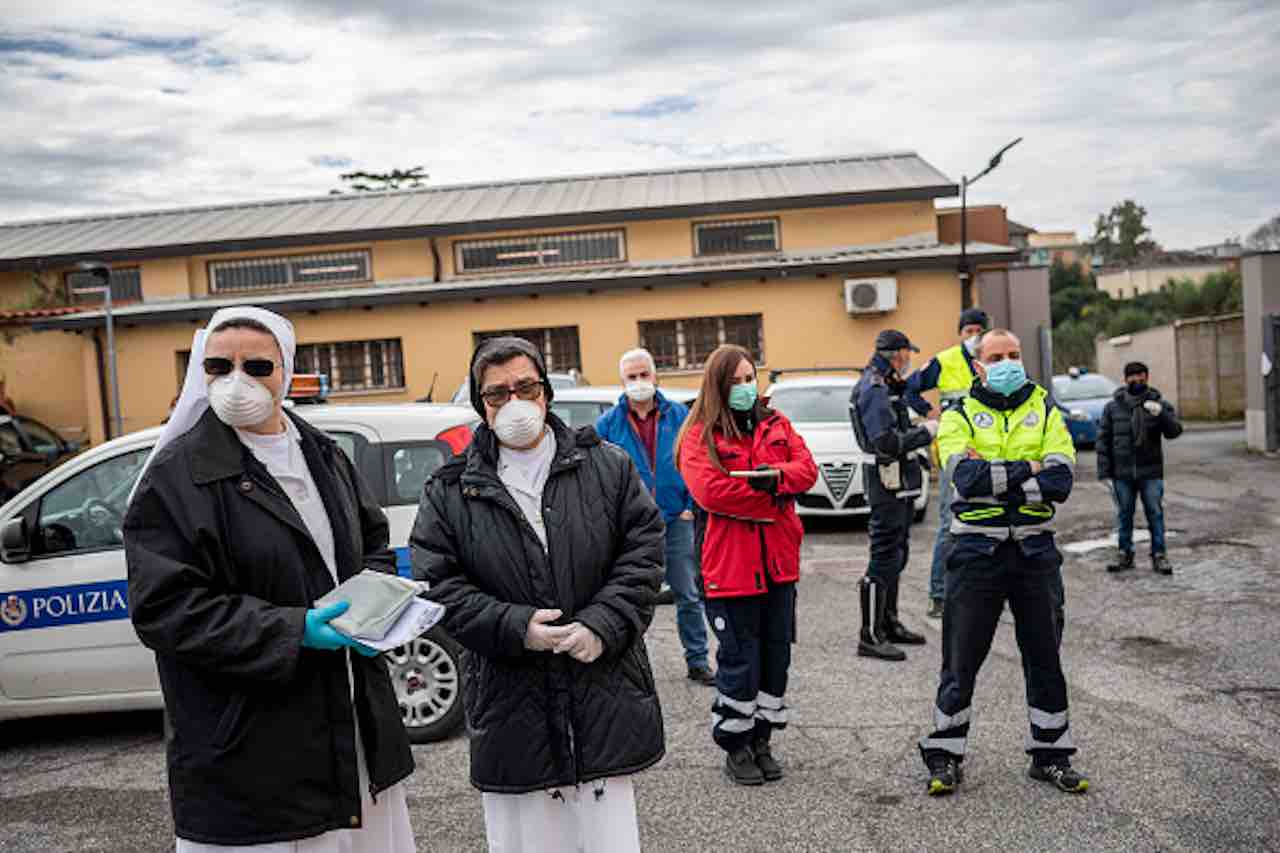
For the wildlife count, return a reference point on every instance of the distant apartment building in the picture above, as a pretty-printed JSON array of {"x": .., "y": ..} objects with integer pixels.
[{"x": 1148, "y": 277}]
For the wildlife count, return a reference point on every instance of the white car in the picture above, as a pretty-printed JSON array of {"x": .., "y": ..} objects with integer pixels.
[
  {"x": 66, "y": 643},
  {"x": 818, "y": 407},
  {"x": 582, "y": 406}
]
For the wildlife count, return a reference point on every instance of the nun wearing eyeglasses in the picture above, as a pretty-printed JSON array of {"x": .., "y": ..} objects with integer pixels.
[{"x": 286, "y": 735}]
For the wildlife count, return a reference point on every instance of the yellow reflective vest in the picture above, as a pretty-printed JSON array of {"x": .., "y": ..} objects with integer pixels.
[
  {"x": 957, "y": 376},
  {"x": 1033, "y": 431}
]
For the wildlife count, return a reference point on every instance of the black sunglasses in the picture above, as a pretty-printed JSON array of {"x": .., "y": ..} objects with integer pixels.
[
  {"x": 258, "y": 368},
  {"x": 498, "y": 395}
]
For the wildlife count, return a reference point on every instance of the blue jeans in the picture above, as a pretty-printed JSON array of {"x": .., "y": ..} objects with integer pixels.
[
  {"x": 938, "y": 572},
  {"x": 682, "y": 577},
  {"x": 1125, "y": 493}
]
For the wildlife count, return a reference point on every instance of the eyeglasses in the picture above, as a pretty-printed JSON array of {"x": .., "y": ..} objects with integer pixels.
[
  {"x": 498, "y": 395},
  {"x": 258, "y": 368}
]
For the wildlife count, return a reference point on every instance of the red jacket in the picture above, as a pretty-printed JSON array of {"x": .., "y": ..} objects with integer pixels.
[{"x": 747, "y": 533}]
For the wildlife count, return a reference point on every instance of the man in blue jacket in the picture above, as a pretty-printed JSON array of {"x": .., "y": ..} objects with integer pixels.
[{"x": 645, "y": 424}]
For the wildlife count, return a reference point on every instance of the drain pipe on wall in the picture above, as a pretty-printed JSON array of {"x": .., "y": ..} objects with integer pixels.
[
  {"x": 99, "y": 357},
  {"x": 435, "y": 258}
]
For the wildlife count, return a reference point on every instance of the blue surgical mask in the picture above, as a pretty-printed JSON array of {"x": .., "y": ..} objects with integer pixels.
[
  {"x": 1006, "y": 377},
  {"x": 742, "y": 398}
]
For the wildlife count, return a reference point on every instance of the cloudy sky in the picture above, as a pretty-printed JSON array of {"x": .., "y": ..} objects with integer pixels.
[{"x": 128, "y": 105}]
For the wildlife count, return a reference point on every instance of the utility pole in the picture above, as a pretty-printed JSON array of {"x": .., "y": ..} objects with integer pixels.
[{"x": 102, "y": 273}]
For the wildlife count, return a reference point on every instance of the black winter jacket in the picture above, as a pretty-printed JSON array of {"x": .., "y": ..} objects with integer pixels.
[
  {"x": 222, "y": 572},
  {"x": 538, "y": 720},
  {"x": 1130, "y": 443}
]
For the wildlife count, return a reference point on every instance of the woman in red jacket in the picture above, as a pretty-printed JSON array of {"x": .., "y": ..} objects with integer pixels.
[{"x": 744, "y": 465}]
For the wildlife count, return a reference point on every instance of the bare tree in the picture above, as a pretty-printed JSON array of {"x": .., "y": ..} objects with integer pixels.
[{"x": 1267, "y": 236}]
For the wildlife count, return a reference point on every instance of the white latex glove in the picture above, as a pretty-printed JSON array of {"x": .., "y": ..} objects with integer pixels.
[
  {"x": 581, "y": 643},
  {"x": 1153, "y": 408},
  {"x": 541, "y": 636},
  {"x": 932, "y": 427}
]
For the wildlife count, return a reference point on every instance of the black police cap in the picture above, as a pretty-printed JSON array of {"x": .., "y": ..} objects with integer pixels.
[{"x": 892, "y": 339}]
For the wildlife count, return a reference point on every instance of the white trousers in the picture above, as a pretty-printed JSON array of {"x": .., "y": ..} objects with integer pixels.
[{"x": 598, "y": 817}]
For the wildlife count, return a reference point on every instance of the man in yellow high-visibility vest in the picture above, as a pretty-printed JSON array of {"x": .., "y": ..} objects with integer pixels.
[
  {"x": 952, "y": 373},
  {"x": 1012, "y": 462}
]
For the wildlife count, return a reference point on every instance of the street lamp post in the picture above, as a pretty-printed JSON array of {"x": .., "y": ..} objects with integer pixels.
[
  {"x": 102, "y": 273},
  {"x": 966, "y": 275}
]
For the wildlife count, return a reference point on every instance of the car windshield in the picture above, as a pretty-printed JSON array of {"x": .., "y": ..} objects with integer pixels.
[
  {"x": 1088, "y": 387},
  {"x": 817, "y": 404},
  {"x": 577, "y": 413}
]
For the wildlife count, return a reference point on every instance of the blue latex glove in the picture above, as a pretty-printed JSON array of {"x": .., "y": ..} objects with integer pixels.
[{"x": 318, "y": 634}]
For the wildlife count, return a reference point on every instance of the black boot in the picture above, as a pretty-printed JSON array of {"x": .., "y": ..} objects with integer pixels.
[
  {"x": 769, "y": 766},
  {"x": 895, "y": 631},
  {"x": 740, "y": 767},
  {"x": 872, "y": 642},
  {"x": 1123, "y": 564}
]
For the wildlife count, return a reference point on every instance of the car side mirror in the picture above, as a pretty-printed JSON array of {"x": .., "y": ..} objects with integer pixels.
[{"x": 15, "y": 541}]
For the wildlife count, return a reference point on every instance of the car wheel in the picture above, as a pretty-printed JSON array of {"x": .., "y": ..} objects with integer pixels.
[{"x": 428, "y": 683}]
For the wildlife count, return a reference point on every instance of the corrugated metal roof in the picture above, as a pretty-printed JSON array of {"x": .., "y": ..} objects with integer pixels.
[
  {"x": 473, "y": 207},
  {"x": 909, "y": 253}
]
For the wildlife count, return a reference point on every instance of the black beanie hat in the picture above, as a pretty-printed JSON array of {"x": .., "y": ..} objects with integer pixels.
[
  {"x": 1134, "y": 367},
  {"x": 500, "y": 351},
  {"x": 974, "y": 317}
]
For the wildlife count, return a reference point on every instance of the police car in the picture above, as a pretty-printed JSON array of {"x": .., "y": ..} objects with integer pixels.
[
  {"x": 818, "y": 408},
  {"x": 1082, "y": 396},
  {"x": 66, "y": 643}
]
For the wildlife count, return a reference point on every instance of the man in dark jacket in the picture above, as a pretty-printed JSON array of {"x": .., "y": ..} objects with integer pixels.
[
  {"x": 546, "y": 548},
  {"x": 1131, "y": 456},
  {"x": 882, "y": 426}
]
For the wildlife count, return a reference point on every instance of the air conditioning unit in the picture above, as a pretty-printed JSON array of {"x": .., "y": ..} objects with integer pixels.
[{"x": 870, "y": 295}]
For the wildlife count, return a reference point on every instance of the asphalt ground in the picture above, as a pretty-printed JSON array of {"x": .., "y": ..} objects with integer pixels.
[{"x": 1174, "y": 687}]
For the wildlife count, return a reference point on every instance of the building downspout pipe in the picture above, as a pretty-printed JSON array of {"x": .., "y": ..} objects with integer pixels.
[
  {"x": 435, "y": 258},
  {"x": 99, "y": 356}
]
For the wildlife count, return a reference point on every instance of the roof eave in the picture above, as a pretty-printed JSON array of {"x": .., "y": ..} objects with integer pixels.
[
  {"x": 455, "y": 290},
  {"x": 603, "y": 217}
]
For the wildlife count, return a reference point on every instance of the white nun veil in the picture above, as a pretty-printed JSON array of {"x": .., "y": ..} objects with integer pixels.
[{"x": 194, "y": 399}]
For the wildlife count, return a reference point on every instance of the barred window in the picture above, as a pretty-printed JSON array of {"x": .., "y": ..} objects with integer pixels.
[
  {"x": 354, "y": 365},
  {"x": 736, "y": 236},
  {"x": 541, "y": 250},
  {"x": 687, "y": 344},
  {"x": 126, "y": 286},
  {"x": 559, "y": 344},
  {"x": 250, "y": 274}
]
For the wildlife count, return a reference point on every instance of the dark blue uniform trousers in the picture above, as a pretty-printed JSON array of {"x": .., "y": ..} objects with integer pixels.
[
  {"x": 978, "y": 585},
  {"x": 755, "y": 634}
]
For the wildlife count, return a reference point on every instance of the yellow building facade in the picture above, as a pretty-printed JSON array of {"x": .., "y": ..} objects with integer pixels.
[{"x": 389, "y": 314}]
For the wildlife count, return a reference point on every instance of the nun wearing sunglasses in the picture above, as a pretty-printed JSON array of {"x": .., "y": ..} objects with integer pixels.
[{"x": 285, "y": 734}]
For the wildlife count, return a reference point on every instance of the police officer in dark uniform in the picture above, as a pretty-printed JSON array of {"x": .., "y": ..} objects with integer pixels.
[{"x": 882, "y": 424}]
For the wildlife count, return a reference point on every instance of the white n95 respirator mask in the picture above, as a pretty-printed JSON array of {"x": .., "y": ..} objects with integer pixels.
[{"x": 240, "y": 401}]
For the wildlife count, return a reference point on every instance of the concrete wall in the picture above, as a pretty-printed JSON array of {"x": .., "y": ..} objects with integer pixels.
[
  {"x": 1157, "y": 348},
  {"x": 1211, "y": 368},
  {"x": 1261, "y": 298},
  {"x": 1197, "y": 364},
  {"x": 1121, "y": 284},
  {"x": 1018, "y": 300}
]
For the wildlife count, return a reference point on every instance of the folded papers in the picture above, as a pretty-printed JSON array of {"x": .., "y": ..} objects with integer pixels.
[{"x": 385, "y": 610}]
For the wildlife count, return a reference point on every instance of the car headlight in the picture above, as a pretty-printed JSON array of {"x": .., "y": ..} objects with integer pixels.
[{"x": 1079, "y": 415}]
